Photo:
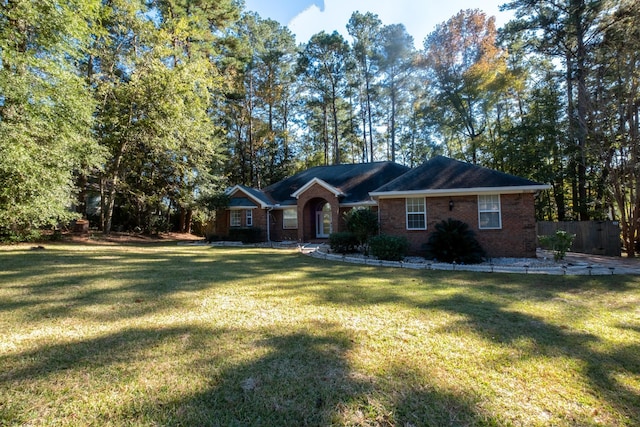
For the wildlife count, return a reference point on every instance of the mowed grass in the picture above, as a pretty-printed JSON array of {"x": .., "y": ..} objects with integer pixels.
[{"x": 196, "y": 336}]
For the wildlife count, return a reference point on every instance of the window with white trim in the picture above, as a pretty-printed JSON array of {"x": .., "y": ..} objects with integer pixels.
[
  {"x": 236, "y": 218},
  {"x": 489, "y": 214},
  {"x": 416, "y": 213},
  {"x": 249, "y": 218},
  {"x": 290, "y": 218}
]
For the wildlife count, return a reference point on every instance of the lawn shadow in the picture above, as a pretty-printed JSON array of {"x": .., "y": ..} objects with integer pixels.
[
  {"x": 299, "y": 381},
  {"x": 61, "y": 283},
  {"x": 93, "y": 353},
  {"x": 301, "y": 378},
  {"x": 131, "y": 280},
  {"x": 305, "y": 379},
  {"x": 497, "y": 324}
]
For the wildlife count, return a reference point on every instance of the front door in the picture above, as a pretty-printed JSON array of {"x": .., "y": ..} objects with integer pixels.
[{"x": 324, "y": 225}]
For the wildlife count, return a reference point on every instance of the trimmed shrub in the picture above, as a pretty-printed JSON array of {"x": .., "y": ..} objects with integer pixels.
[
  {"x": 453, "y": 241},
  {"x": 210, "y": 238},
  {"x": 245, "y": 234},
  {"x": 389, "y": 248},
  {"x": 343, "y": 242}
]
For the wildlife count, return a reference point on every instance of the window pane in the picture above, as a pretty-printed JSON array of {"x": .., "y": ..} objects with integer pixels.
[
  {"x": 489, "y": 203},
  {"x": 416, "y": 213},
  {"x": 290, "y": 218},
  {"x": 489, "y": 215},
  {"x": 415, "y": 221},
  {"x": 489, "y": 220},
  {"x": 249, "y": 217},
  {"x": 415, "y": 205},
  {"x": 236, "y": 218}
]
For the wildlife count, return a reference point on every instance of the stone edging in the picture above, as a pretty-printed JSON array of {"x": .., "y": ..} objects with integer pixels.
[{"x": 564, "y": 269}]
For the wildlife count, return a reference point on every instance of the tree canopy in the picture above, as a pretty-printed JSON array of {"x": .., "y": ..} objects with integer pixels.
[{"x": 129, "y": 112}]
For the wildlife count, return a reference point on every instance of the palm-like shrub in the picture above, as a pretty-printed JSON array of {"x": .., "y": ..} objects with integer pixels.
[{"x": 453, "y": 241}]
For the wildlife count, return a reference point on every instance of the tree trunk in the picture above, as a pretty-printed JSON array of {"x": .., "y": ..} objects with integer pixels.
[
  {"x": 188, "y": 220},
  {"x": 112, "y": 189},
  {"x": 393, "y": 121}
]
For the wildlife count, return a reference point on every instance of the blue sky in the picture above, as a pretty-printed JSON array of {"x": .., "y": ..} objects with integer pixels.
[{"x": 307, "y": 17}]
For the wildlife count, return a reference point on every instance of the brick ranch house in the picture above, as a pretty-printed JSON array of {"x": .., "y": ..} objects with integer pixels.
[{"x": 310, "y": 205}]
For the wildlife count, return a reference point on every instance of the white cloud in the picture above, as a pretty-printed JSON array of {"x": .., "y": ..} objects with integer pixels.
[{"x": 419, "y": 16}]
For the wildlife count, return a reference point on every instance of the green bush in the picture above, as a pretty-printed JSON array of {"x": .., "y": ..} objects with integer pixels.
[
  {"x": 210, "y": 237},
  {"x": 343, "y": 242},
  {"x": 389, "y": 248},
  {"x": 363, "y": 223},
  {"x": 453, "y": 241},
  {"x": 559, "y": 243},
  {"x": 21, "y": 236},
  {"x": 245, "y": 234}
]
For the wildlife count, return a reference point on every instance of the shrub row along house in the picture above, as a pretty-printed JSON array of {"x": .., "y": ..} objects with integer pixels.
[{"x": 310, "y": 205}]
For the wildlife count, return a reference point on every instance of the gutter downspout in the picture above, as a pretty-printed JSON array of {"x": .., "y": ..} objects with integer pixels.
[{"x": 268, "y": 210}]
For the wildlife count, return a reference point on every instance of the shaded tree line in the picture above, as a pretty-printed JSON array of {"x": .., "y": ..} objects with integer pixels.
[{"x": 148, "y": 106}]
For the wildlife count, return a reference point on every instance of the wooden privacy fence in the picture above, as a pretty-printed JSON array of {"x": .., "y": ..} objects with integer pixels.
[{"x": 592, "y": 237}]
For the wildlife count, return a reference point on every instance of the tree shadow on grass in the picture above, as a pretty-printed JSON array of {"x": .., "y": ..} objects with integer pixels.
[
  {"x": 28, "y": 376},
  {"x": 133, "y": 281},
  {"x": 299, "y": 378},
  {"x": 494, "y": 323},
  {"x": 59, "y": 283},
  {"x": 48, "y": 360},
  {"x": 305, "y": 379},
  {"x": 299, "y": 381},
  {"x": 242, "y": 393}
]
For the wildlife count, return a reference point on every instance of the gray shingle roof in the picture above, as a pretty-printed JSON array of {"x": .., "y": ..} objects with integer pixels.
[
  {"x": 257, "y": 194},
  {"x": 443, "y": 173},
  {"x": 354, "y": 180}
]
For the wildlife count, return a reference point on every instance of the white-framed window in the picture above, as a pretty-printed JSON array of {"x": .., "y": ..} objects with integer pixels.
[
  {"x": 290, "y": 218},
  {"x": 249, "y": 218},
  {"x": 236, "y": 218},
  {"x": 416, "y": 213},
  {"x": 489, "y": 214}
]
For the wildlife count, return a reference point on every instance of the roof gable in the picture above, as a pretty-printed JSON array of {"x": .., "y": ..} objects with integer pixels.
[
  {"x": 252, "y": 194},
  {"x": 442, "y": 175},
  {"x": 336, "y": 192}
]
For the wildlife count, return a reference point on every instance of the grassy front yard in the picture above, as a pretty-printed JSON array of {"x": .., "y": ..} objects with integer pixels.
[{"x": 179, "y": 335}]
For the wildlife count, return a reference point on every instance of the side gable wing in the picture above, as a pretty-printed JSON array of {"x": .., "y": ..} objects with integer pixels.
[{"x": 241, "y": 195}]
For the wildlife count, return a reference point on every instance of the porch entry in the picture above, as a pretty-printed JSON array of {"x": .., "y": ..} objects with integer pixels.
[{"x": 324, "y": 223}]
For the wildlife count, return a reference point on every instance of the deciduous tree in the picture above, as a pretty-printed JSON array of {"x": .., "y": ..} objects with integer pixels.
[
  {"x": 45, "y": 111},
  {"x": 464, "y": 65}
]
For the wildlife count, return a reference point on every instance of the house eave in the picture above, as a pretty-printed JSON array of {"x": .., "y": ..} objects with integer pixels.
[
  {"x": 460, "y": 191},
  {"x": 366, "y": 203}
]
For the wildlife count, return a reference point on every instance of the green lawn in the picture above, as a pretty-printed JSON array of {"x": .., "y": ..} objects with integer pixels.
[{"x": 183, "y": 335}]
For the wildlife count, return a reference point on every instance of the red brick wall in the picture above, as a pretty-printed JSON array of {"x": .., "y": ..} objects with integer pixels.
[
  {"x": 278, "y": 233},
  {"x": 223, "y": 219},
  {"x": 517, "y": 238}
]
